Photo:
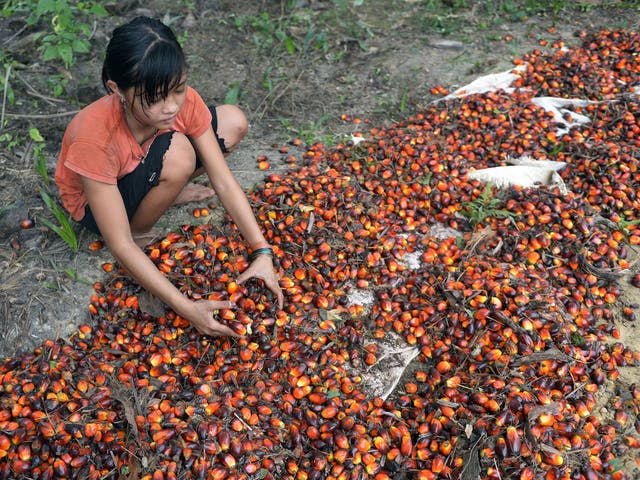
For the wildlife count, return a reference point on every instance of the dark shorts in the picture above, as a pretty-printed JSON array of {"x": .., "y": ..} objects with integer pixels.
[{"x": 135, "y": 185}]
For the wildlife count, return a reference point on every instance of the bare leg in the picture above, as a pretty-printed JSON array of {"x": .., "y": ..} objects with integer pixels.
[
  {"x": 178, "y": 165},
  {"x": 232, "y": 126},
  {"x": 178, "y": 169}
]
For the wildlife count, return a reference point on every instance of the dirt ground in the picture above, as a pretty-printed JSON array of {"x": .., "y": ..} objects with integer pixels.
[{"x": 377, "y": 61}]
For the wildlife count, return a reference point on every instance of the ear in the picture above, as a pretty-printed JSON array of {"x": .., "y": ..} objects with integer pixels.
[{"x": 113, "y": 86}]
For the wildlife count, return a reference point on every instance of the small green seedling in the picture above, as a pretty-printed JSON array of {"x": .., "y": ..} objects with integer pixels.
[
  {"x": 38, "y": 155},
  {"x": 63, "y": 229},
  {"x": 233, "y": 94}
]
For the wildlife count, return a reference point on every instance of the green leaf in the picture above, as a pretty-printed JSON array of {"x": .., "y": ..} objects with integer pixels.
[
  {"x": 50, "y": 52},
  {"x": 403, "y": 102},
  {"x": 615, "y": 464},
  {"x": 66, "y": 37},
  {"x": 321, "y": 42},
  {"x": 80, "y": 46},
  {"x": 290, "y": 45},
  {"x": 85, "y": 29},
  {"x": 48, "y": 201},
  {"x": 309, "y": 38},
  {"x": 45, "y": 6},
  {"x": 34, "y": 133},
  {"x": 333, "y": 394},
  {"x": 66, "y": 54},
  {"x": 578, "y": 340},
  {"x": 64, "y": 230},
  {"x": 51, "y": 226},
  {"x": 99, "y": 10},
  {"x": 233, "y": 94},
  {"x": 71, "y": 273},
  {"x": 58, "y": 90}
]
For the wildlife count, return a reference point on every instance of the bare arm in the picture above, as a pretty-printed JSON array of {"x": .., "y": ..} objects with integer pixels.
[
  {"x": 237, "y": 205},
  {"x": 111, "y": 217}
]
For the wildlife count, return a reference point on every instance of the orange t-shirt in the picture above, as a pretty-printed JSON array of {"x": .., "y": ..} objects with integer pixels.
[{"x": 98, "y": 144}]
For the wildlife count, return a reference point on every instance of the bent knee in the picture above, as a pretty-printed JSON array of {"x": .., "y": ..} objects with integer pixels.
[
  {"x": 232, "y": 125},
  {"x": 180, "y": 158}
]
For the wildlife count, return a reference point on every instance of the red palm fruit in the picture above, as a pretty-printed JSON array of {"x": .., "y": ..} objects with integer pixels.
[
  {"x": 341, "y": 440},
  {"x": 501, "y": 448},
  {"x": 224, "y": 440},
  {"x": 341, "y": 455},
  {"x": 158, "y": 475},
  {"x": 319, "y": 462},
  {"x": 426, "y": 475},
  {"x": 27, "y": 223},
  {"x": 445, "y": 447},
  {"x": 24, "y": 452},
  {"x": 527, "y": 474},
  {"x": 514, "y": 442},
  {"x": 317, "y": 398},
  {"x": 229, "y": 461},
  {"x": 362, "y": 444},
  {"x": 437, "y": 464},
  {"x": 406, "y": 445},
  {"x": 329, "y": 412},
  {"x": 381, "y": 444}
]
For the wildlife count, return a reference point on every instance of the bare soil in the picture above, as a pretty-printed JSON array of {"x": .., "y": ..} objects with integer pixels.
[{"x": 380, "y": 63}]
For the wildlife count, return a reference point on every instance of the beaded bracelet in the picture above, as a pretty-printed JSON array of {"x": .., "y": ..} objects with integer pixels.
[{"x": 261, "y": 251}]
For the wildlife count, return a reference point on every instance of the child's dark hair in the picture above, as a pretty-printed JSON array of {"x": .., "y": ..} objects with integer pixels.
[{"x": 146, "y": 55}]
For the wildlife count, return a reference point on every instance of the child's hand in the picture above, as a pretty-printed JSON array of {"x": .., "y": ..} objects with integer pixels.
[
  {"x": 262, "y": 268},
  {"x": 204, "y": 320}
]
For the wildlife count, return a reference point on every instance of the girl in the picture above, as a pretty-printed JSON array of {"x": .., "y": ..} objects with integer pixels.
[{"x": 130, "y": 155}]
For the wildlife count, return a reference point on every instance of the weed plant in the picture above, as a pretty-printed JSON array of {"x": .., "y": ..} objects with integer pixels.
[
  {"x": 309, "y": 133},
  {"x": 63, "y": 229},
  {"x": 38, "y": 155},
  {"x": 67, "y": 26},
  {"x": 486, "y": 205}
]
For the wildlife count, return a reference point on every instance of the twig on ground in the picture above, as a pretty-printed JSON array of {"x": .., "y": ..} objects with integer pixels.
[
  {"x": 33, "y": 92},
  {"x": 4, "y": 95},
  {"x": 263, "y": 104},
  {"x": 551, "y": 354},
  {"x": 22, "y": 29},
  {"x": 45, "y": 115},
  {"x": 235, "y": 414}
]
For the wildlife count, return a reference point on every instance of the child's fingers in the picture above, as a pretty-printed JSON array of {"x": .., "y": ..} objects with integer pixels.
[
  {"x": 280, "y": 296},
  {"x": 217, "y": 305},
  {"x": 218, "y": 329},
  {"x": 244, "y": 276},
  {"x": 271, "y": 281}
]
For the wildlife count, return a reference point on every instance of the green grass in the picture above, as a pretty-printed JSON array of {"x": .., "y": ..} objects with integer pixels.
[
  {"x": 309, "y": 133},
  {"x": 293, "y": 34}
]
